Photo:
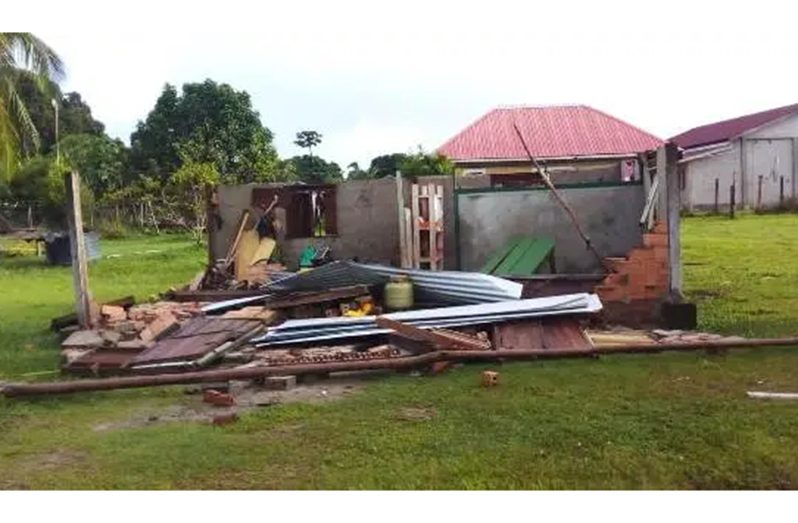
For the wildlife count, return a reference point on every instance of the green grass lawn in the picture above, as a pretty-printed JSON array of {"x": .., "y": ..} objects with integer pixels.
[{"x": 655, "y": 421}]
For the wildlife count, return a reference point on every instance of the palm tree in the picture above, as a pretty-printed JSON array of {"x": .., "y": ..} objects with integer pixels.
[{"x": 22, "y": 54}]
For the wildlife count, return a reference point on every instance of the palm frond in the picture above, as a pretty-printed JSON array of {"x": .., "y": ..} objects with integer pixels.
[
  {"x": 27, "y": 51},
  {"x": 24, "y": 122}
]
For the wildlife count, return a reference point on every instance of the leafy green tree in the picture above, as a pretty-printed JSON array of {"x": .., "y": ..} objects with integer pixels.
[
  {"x": 39, "y": 180},
  {"x": 386, "y": 165},
  {"x": 206, "y": 123},
  {"x": 425, "y": 164},
  {"x": 191, "y": 183},
  {"x": 308, "y": 140},
  {"x": 100, "y": 160},
  {"x": 22, "y": 55},
  {"x": 315, "y": 170},
  {"x": 354, "y": 172}
]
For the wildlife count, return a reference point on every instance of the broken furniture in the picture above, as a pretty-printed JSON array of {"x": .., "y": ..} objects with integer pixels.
[{"x": 521, "y": 256}]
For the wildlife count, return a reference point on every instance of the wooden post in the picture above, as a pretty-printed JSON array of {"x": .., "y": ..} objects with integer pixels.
[
  {"x": 400, "y": 209},
  {"x": 731, "y": 201},
  {"x": 717, "y": 195},
  {"x": 30, "y": 216},
  {"x": 759, "y": 192},
  {"x": 414, "y": 209},
  {"x": 77, "y": 249},
  {"x": 673, "y": 208}
]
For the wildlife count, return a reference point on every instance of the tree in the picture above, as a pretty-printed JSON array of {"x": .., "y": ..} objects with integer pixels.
[
  {"x": 191, "y": 182},
  {"x": 354, "y": 172},
  {"x": 21, "y": 55},
  {"x": 426, "y": 164},
  {"x": 100, "y": 160},
  {"x": 308, "y": 140},
  {"x": 315, "y": 170},
  {"x": 206, "y": 123},
  {"x": 74, "y": 114},
  {"x": 386, "y": 165}
]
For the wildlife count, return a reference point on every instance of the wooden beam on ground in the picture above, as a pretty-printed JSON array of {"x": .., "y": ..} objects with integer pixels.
[
  {"x": 248, "y": 373},
  {"x": 444, "y": 339},
  {"x": 77, "y": 249}
]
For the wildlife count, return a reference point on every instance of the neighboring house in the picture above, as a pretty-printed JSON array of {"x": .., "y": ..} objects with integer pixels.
[
  {"x": 757, "y": 153},
  {"x": 577, "y": 144}
]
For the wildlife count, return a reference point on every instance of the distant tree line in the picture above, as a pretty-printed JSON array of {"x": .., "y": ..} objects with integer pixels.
[{"x": 202, "y": 135}]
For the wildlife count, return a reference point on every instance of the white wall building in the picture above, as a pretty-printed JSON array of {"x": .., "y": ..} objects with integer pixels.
[{"x": 757, "y": 153}]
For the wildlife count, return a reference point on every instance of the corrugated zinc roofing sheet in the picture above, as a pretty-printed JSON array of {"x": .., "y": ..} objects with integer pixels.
[
  {"x": 728, "y": 129},
  {"x": 550, "y": 132}
]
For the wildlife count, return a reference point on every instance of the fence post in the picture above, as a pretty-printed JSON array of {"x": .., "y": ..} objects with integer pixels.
[
  {"x": 759, "y": 193},
  {"x": 717, "y": 195},
  {"x": 77, "y": 249},
  {"x": 731, "y": 201},
  {"x": 30, "y": 216}
]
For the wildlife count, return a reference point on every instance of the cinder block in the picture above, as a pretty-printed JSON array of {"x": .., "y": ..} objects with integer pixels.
[{"x": 280, "y": 382}]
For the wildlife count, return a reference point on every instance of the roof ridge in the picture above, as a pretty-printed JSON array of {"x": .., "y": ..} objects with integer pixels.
[
  {"x": 624, "y": 122},
  {"x": 794, "y": 107}
]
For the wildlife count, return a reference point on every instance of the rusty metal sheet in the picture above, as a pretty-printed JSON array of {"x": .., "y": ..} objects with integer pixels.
[
  {"x": 553, "y": 333},
  {"x": 195, "y": 339}
]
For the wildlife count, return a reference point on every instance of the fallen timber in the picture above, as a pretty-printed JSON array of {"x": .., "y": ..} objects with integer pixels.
[{"x": 248, "y": 373}]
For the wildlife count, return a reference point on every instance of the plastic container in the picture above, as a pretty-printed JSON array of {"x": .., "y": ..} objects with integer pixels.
[{"x": 398, "y": 294}]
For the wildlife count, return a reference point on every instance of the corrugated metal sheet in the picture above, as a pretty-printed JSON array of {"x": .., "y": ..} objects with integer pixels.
[
  {"x": 453, "y": 287},
  {"x": 439, "y": 287},
  {"x": 550, "y": 132},
  {"x": 728, "y": 129},
  {"x": 319, "y": 329}
]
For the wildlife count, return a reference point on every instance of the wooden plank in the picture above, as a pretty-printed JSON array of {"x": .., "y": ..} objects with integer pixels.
[
  {"x": 408, "y": 226},
  {"x": 416, "y": 232},
  {"x": 444, "y": 339},
  {"x": 400, "y": 208},
  {"x": 77, "y": 247},
  {"x": 440, "y": 246},
  {"x": 433, "y": 228},
  {"x": 231, "y": 251},
  {"x": 674, "y": 206}
]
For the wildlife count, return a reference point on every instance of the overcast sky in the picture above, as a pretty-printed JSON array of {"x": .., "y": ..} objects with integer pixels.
[{"x": 378, "y": 78}]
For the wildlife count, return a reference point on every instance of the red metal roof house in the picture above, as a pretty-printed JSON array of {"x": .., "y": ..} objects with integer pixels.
[{"x": 578, "y": 143}]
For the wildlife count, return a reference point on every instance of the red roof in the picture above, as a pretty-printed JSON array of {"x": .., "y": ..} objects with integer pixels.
[
  {"x": 550, "y": 132},
  {"x": 728, "y": 129}
]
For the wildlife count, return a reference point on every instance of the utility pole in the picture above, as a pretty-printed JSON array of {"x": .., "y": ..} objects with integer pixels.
[{"x": 54, "y": 103}]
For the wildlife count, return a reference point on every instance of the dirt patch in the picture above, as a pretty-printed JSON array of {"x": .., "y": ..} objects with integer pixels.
[
  {"x": 248, "y": 396},
  {"x": 416, "y": 413}
]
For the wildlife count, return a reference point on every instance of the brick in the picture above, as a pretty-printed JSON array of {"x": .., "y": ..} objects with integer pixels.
[
  {"x": 439, "y": 367},
  {"x": 489, "y": 378},
  {"x": 655, "y": 240},
  {"x": 113, "y": 313},
  {"x": 660, "y": 228},
  {"x": 616, "y": 264},
  {"x": 610, "y": 293},
  {"x": 218, "y": 399}
]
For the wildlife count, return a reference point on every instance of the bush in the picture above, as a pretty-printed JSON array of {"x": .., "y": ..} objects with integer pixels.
[{"x": 113, "y": 230}]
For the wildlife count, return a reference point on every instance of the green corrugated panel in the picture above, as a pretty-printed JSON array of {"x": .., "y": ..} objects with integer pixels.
[
  {"x": 520, "y": 257},
  {"x": 499, "y": 256}
]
